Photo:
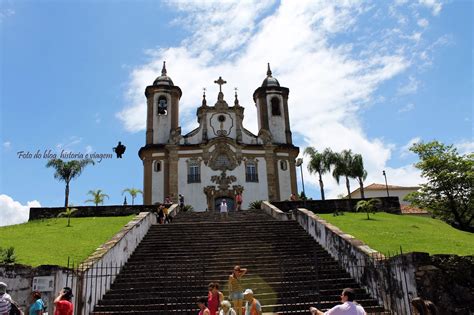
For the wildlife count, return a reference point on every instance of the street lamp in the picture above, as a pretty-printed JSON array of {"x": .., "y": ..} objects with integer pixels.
[
  {"x": 386, "y": 186},
  {"x": 299, "y": 162}
]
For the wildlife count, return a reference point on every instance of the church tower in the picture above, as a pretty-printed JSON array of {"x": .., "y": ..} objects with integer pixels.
[
  {"x": 272, "y": 109},
  {"x": 162, "y": 109}
]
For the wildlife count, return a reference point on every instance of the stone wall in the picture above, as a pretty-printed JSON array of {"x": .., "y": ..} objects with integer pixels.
[
  {"x": 90, "y": 211},
  {"x": 388, "y": 204}
]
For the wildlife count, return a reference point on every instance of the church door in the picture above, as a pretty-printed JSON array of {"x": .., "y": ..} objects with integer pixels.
[{"x": 230, "y": 203}]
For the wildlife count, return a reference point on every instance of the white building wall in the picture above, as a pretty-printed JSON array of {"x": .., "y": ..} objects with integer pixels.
[
  {"x": 284, "y": 181},
  {"x": 157, "y": 183},
  {"x": 255, "y": 191},
  {"x": 400, "y": 193},
  {"x": 161, "y": 123},
  {"x": 276, "y": 123},
  {"x": 214, "y": 126}
]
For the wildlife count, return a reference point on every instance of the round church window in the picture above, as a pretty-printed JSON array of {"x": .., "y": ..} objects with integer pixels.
[{"x": 221, "y": 118}]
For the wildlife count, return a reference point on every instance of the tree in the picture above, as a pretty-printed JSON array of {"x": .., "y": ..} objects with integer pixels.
[
  {"x": 319, "y": 163},
  {"x": 68, "y": 213},
  {"x": 358, "y": 171},
  {"x": 343, "y": 163},
  {"x": 97, "y": 197},
  {"x": 449, "y": 190},
  {"x": 367, "y": 206},
  {"x": 133, "y": 193},
  {"x": 67, "y": 171}
]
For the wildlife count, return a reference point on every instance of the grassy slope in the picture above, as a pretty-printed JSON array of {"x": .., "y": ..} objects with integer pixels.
[
  {"x": 387, "y": 232},
  {"x": 51, "y": 242}
]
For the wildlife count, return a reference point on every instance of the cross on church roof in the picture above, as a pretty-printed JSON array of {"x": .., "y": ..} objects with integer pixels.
[{"x": 220, "y": 82}]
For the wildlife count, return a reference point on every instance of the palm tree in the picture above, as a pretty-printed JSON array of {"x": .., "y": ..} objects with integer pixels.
[
  {"x": 133, "y": 193},
  {"x": 343, "y": 167},
  {"x": 67, "y": 171},
  {"x": 359, "y": 172},
  {"x": 367, "y": 206},
  {"x": 319, "y": 163},
  {"x": 97, "y": 197},
  {"x": 68, "y": 213}
]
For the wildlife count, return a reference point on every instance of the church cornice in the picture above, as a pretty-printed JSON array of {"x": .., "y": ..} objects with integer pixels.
[
  {"x": 263, "y": 90},
  {"x": 152, "y": 89}
]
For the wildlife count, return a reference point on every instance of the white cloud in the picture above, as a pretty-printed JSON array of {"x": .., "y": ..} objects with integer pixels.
[
  {"x": 88, "y": 149},
  {"x": 7, "y": 145},
  {"x": 330, "y": 81},
  {"x": 405, "y": 150},
  {"x": 13, "y": 212},
  {"x": 434, "y": 5},
  {"x": 423, "y": 23},
  {"x": 410, "y": 87},
  {"x": 407, "y": 108},
  {"x": 4, "y": 13},
  {"x": 465, "y": 147}
]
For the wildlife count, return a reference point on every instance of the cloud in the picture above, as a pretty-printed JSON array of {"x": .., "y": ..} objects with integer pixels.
[
  {"x": 405, "y": 150},
  {"x": 407, "y": 108},
  {"x": 423, "y": 23},
  {"x": 13, "y": 212},
  {"x": 410, "y": 87},
  {"x": 331, "y": 79},
  {"x": 465, "y": 147},
  {"x": 5, "y": 13},
  {"x": 7, "y": 145},
  {"x": 434, "y": 5}
]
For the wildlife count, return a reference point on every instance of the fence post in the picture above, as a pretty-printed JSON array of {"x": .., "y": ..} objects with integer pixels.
[{"x": 79, "y": 291}]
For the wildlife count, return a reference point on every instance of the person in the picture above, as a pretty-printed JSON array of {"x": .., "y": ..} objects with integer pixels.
[
  {"x": 201, "y": 303},
  {"x": 226, "y": 308},
  {"x": 5, "y": 300},
  {"x": 167, "y": 200},
  {"x": 161, "y": 214},
  {"x": 235, "y": 288},
  {"x": 214, "y": 298},
  {"x": 423, "y": 307},
  {"x": 166, "y": 215},
  {"x": 62, "y": 303},
  {"x": 292, "y": 197},
  {"x": 223, "y": 208},
  {"x": 252, "y": 305},
  {"x": 238, "y": 199},
  {"x": 349, "y": 307},
  {"x": 37, "y": 307},
  {"x": 181, "y": 202}
]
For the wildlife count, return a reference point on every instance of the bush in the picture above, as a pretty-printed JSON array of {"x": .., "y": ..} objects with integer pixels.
[
  {"x": 188, "y": 208},
  {"x": 7, "y": 256},
  {"x": 257, "y": 204}
]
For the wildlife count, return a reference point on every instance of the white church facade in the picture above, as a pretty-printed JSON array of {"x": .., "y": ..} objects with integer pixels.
[{"x": 220, "y": 158}]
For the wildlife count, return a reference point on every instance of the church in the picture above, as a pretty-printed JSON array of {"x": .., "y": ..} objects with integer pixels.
[{"x": 220, "y": 158}]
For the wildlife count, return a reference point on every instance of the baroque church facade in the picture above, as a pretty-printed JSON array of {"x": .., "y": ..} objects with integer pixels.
[{"x": 220, "y": 158}]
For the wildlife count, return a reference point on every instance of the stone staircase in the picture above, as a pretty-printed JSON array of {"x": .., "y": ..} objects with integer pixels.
[{"x": 174, "y": 263}]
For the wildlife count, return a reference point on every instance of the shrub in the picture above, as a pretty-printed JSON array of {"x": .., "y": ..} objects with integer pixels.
[
  {"x": 7, "y": 256},
  {"x": 257, "y": 204}
]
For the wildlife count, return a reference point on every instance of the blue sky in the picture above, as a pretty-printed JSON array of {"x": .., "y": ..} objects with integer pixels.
[{"x": 372, "y": 76}]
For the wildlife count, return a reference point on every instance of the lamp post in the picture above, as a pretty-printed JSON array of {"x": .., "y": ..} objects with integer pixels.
[
  {"x": 299, "y": 162},
  {"x": 386, "y": 186}
]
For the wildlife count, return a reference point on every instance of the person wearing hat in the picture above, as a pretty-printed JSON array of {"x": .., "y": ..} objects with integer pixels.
[
  {"x": 252, "y": 305},
  {"x": 62, "y": 303},
  {"x": 5, "y": 300}
]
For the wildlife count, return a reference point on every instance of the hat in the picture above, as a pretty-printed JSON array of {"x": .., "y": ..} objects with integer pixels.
[
  {"x": 3, "y": 287},
  {"x": 248, "y": 291}
]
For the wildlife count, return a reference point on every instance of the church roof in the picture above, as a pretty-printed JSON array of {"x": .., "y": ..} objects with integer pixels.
[
  {"x": 269, "y": 80},
  {"x": 163, "y": 79}
]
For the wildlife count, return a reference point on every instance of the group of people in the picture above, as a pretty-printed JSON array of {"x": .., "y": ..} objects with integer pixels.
[
  {"x": 162, "y": 214},
  {"x": 62, "y": 303},
  {"x": 216, "y": 304},
  {"x": 223, "y": 208}
]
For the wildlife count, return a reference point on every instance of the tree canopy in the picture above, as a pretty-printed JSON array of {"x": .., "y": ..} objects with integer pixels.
[{"x": 449, "y": 190}]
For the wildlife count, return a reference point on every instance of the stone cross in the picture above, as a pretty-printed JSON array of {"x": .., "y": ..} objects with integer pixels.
[{"x": 220, "y": 82}]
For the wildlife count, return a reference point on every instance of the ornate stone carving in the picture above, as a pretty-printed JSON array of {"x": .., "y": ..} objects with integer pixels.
[
  {"x": 223, "y": 181},
  {"x": 265, "y": 135},
  {"x": 223, "y": 158},
  {"x": 175, "y": 136}
]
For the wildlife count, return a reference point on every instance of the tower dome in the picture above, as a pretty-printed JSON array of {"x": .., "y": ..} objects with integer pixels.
[
  {"x": 163, "y": 79},
  {"x": 269, "y": 80}
]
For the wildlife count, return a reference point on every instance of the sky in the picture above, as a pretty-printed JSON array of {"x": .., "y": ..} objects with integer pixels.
[{"x": 370, "y": 76}]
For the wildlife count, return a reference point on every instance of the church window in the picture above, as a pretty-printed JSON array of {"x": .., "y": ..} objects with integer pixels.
[
  {"x": 194, "y": 171},
  {"x": 283, "y": 165},
  {"x": 162, "y": 105},
  {"x": 221, "y": 118},
  {"x": 276, "y": 106},
  {"x": 157, "y": 166},
  {"x": 251, "y": 174}
]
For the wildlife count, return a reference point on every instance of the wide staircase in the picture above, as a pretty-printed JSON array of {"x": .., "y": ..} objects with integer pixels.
[{"x": 173, "y": 265}]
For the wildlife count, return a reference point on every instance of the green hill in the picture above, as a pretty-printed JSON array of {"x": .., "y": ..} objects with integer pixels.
[
  {"x": 386, "y": 232},
  {"x": 50, "y": 242}
]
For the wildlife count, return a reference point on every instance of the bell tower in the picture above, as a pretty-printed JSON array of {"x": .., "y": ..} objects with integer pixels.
[
  {"x": 162, "y": 109},
  {"x": 272, "y": 109}
]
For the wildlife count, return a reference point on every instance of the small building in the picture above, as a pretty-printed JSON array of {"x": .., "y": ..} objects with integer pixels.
[{"x": 220, "y": 158}]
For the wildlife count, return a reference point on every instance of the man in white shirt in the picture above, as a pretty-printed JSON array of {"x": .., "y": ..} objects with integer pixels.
[{"x": 349, "y": 307}]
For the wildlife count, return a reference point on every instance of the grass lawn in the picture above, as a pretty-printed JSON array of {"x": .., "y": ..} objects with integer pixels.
[
  {"x": 51, "y": 242},
  {"x": 386, "y": 232}
]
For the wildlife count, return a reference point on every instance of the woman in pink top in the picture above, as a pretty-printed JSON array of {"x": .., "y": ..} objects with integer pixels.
[
  {"x": 201, "y": 303},
  {"x": 214, "y": 298}
]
